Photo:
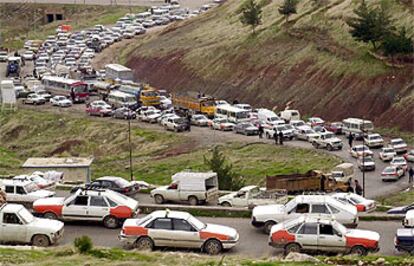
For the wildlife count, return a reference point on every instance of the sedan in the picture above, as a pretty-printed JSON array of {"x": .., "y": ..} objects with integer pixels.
[
  {"x": 399, "y": 145},
  {"x": 374, "y": 140},
  {"x": 98, "y": 110},
  {"x": 399, "y": 161},
  {"x": 114, "y": 183},
  {"x": 387, "y": 153},
  {"x": 124, "y": 113},
  {"x": 246, "y": 129},
  {"x": 316, "y": 121},
  {"x": 305, "y": 133},
  {"x": 392, "y": 173},
  {"x": 409, "y": 156},
  {"x": 401, "y": 209},
  {"x": 359, "y": 150},
  {"x": 199, "y": 120},
  {"x": 335, "y": 127},
  {"x": 28, "y": 55},
  {"x": 34, "y": 99},
  {"x": 362, "y": 204},
  {"x": 366, "y": 164},
  {"x": 221, "y": 124},
  {"x": 60, "y": 101}
]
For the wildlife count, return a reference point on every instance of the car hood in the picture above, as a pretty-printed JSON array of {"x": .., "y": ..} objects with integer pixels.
[
  {"x": 397, "y": 210},
  {"x": 251, "y": 128},
  {"x": 366, "y": 234},
  {"x": 220, "y": 229},
  {"x": 227, "y": 124},
  {"x": 42, "y": 193},
  {"x": 47, "y": 224},
  {"x": 268, "y": 209},
  {"x": 162, "y": 188},
  {"x": 334, "y": 140},
  {"x": 227, "y": 196},
  {"x": 49, "y": 202}
]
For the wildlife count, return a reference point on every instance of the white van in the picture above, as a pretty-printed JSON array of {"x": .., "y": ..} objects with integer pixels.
[
  {"x": 288, "y": 115},
  {"x": 121, "y": 99},
  {"x": 355, "y": 126},
  {"x": 268, "y": 117},
  {"x": 408, "y": 221},
  {"x": 232, "y": 114}
]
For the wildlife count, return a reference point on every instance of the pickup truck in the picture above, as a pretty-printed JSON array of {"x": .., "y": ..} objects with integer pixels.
[
  {"x": 18, "y": 225},
  {"x": 327, "y": 140},
  {"x": 23, "y": 192},
  {"x": 404, "y": 240},
  {"x": 252, "y": 196},
  {"x": 192, "y": 187}
]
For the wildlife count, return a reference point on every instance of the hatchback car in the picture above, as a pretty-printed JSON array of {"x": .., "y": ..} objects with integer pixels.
[{"x": 177, "y": 229}]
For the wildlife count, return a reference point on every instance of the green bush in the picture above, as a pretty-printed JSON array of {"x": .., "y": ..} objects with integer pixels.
[{"x": 83, "y": 244}]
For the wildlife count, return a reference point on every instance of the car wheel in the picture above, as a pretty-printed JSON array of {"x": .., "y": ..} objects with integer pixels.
[
  {"x": 159, "y": 199},
  {"x": 314, "y": 144},
  {"x": 268, "y": 226},
  {"x": 111, "y": 222},
  {"x": 292, "y": 248},
  {"x": 50, "y": 215},
  {"x": 144, "y": 243},
  {"x": 330, "y": 148},
  {"x": 226, "y": 204},
  {"x": 40, "y": 241},
  {"x": 193, "y": 200},
  {"x": 359, "y": 250},
  {"x": 213, "y": 247}
]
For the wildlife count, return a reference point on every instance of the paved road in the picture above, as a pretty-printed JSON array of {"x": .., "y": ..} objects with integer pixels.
[
  {"x": 183, "y": 3},
  {"x": 253, "y": 243}
]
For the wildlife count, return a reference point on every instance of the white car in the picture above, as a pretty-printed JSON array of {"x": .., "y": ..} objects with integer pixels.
[
  {"x": 399, "y": 145},
  {"x": 177, "y": 229},
  {"x": 28, "y": 55},
  {"x": 60, "y": 101},
  {"x": 408, "y": 221},
  {"x": 150, "y": 116},
  {"x": 20, "y": 226},
  {"x": 374, "y": 140},
  {"x": 305, "y": 133},
  {"x": 24, "y": 191},
  {"x": 387, "y": 153},
  {"x": 199, "y": 120},
  {"x": 100, "y": 103},
  {"x": 44, "y": 94},
  {"x": 89, "y": 205},
  {"x": 366, "y": 163},
  {"x": 319, "y": 205},
  {"x": 392, "y": 173},
  {"x": 359, "y": 150},
  {"x": 362, "y": 204},
  {"x": 399, "y": 161},
  {"x": 221, "y": 124},
  {"x": 34, "y": 99},
  {"x": 40, "y": 182}
]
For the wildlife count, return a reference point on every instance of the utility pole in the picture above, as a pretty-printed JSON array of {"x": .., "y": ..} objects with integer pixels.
[
  {"x": 363, "y": 157},
  {"x": 130, "y": 147}
]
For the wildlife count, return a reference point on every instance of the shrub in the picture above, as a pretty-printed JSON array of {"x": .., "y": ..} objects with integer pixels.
[{"x": 83, "y": 244}]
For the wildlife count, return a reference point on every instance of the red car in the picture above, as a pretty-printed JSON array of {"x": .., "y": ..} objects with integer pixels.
[
  {"x": 99, "y": 109},
  {"x": 335, "y": 127}
]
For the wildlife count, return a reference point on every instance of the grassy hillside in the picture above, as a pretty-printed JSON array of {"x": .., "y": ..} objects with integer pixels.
[
  {"x": 20, "y": 22},
  {"x": 156, "y": 154},
  {"x": 311, "y": 61}
]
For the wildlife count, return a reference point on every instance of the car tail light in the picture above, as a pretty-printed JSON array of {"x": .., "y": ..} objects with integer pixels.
[{"x": 126, "y": 189}]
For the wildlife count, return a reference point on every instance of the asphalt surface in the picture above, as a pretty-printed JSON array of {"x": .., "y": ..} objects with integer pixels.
[{"x": 253, "y": 243}]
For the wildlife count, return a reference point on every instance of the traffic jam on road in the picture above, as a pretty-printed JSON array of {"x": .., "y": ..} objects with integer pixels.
[{"x": 62, "y": 76}]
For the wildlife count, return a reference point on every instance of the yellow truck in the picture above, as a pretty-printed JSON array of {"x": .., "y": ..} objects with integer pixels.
[
  {"x": 195, "y": 103},
  {"x": 146, "y": 95}
]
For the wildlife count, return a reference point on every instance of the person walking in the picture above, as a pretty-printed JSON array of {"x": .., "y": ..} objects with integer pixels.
[
  {"x": 72, "y": 95},
  {"x": 358, "y": 188},
  {"x": 275, "y": 137},
  {"x": 260, "y": 131},
  {"x": 281, "y": 138},
  {"x": 189, "y": 122},
  {"x": 350, "y": 139},
  {"x": 410, "y": 176}
]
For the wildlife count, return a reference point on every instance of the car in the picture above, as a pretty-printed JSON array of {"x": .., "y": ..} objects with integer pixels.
[
  {"x": 316, "y": 121},
  {"x": 408, "y": 221},
  {"x": 322, "y": 234},
  {"x": 99, "y": 108},
  {"x": 409, "y": 156},
  {"x": 124, "y": 113},
  {"x": 335, "y": 127},
  {"x": 401, "y": 209},
  {"x": 199, "y": 120},
  {"x": 374, "y": 140},
  {"x": 163, "y": 118},
  {"x": 221, "y": 124},
  {"x": 305, "y": 133},
  {"x": 28, "y": 55},
  {"x": 114, "y": 183},
  {"x": 106, "y": 206},
  {"x": 318, "y": 205},
  {"x": 19, "y": 226},
  {"x": 392, "y": 173},
  {"x": 399, "y": 161},
  {"x": 326, "y": 140},
  {"x": 44, "y": 94},
  {"x": 362, "y": 204},
  {"x": 38, "y": 180},
  {"x": 399, "y": 145},
  {"x": 60, "y": 101},
  {"x": 286, "y": 129},
  {"x": 366, "y": 163},
  {"x": 19, "y": 191},
  {"x": 387, "y": 153},
  {"x": 3, "y": 56},
  {"x": 404, "y": 240},
  {"x": 149, "y": 116},
  {"x": 360, "y": 150},
  {"x": 177, "y": 229},
  {"x": 246, "y": 128},
  {"x": 34, "y": 99},
  {"x": 175, "y": 123}
]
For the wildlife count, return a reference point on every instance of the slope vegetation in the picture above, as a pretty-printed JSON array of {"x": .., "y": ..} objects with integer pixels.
[{"x": 311, "y": 61}]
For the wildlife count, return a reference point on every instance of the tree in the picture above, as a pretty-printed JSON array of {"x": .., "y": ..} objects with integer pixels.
[
  {"x": 370, "y": 25},
  {"x": 397, "y": 43},
  {"x": 288, "y": 8},
  {"x": 251, "y": 14},
  {"x": 228, "y": 180}
]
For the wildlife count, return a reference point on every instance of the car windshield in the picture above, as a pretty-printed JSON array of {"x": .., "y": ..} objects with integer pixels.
[
  {"x": 329, "y": 136},
  {"x": 242, "y": 114},
  {"x": 368, "y": 125},
  {"x": 389, "y": 170},
  {"x": 121, "y": 182},
  {"x": 197, "y": 223},
  {"x": 388, "y": 150},
  {"x": 309, "y": 131},
  {"x": 26, "y": 215},
  {"x": 31, "y": 187},
  {"x": 398, "y": 160},
  {"x": 368, "y": 159},
  {"x": 342, "y": 229},
  {"x": 357, "y": 199},
  {"x": 374, "y": 137},
  {"x": 397, "y": 142},
  {"x": 273, "y": 118}
]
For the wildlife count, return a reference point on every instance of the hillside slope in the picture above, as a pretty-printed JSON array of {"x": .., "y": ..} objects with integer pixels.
[{"x": 312, "y": 61}]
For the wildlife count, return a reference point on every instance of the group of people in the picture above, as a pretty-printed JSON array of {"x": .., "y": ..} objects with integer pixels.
[{"x": 277, "y": 136}]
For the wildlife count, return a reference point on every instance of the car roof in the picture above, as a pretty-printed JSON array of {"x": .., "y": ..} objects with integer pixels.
[
  {"x": 16, "y": 182},
  {"x": 10, "y": 207},
  {"x": 170, "y": 214},
  {"x": 111, "y": 178}
]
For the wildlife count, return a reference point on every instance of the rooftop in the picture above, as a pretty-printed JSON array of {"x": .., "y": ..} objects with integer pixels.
[{"x": 54, "y": 162}]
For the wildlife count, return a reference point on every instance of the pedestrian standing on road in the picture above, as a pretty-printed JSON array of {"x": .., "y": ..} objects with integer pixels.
[
  {"x": 281, "y": 138},
  {"x": 350, "y": 188},
  {"x": 260, "y": 131},
  {"x": 72, "y": 95},
  {"x": 350, "y": 139},
  {"x": 275, "y": 136},
  {"x": 410, "y": 176},
  {"x": 358, "y": 188},
  {"x": 189, "y": 122}
]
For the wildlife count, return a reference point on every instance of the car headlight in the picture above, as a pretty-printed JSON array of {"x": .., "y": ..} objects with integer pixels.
[{"x": 233, "y": 238}]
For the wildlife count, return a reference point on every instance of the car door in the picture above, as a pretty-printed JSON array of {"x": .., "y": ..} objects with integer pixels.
[
  {"x": 240, "y": 199},
  {"x": 12, "y": 228},
  {"x": 21, "y": 195},
  {"x": 307, "y": 236},
  {"x": 321, "y": 210},
  {"x": 77, "y": 208},
  {"x": 160, "y": 230},
  {"x": 298, "y": 210},
  {"x": 11, "y": 193},
  {"x": 98, "y": 208},
  {"x": 185, "y": 235},
  {"x": 329, "y": 239}
]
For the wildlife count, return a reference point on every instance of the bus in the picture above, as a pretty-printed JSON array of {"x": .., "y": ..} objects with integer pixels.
[
  {"x": 232, "y": 114},
  {"x": 119, "y": 99},
  {"x": 116, "y": 73},
  {"x": 66, "y": 87}
]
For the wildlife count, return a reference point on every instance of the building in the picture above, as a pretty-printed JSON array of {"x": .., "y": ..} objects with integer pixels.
[{"x": 74, "y": 168}]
